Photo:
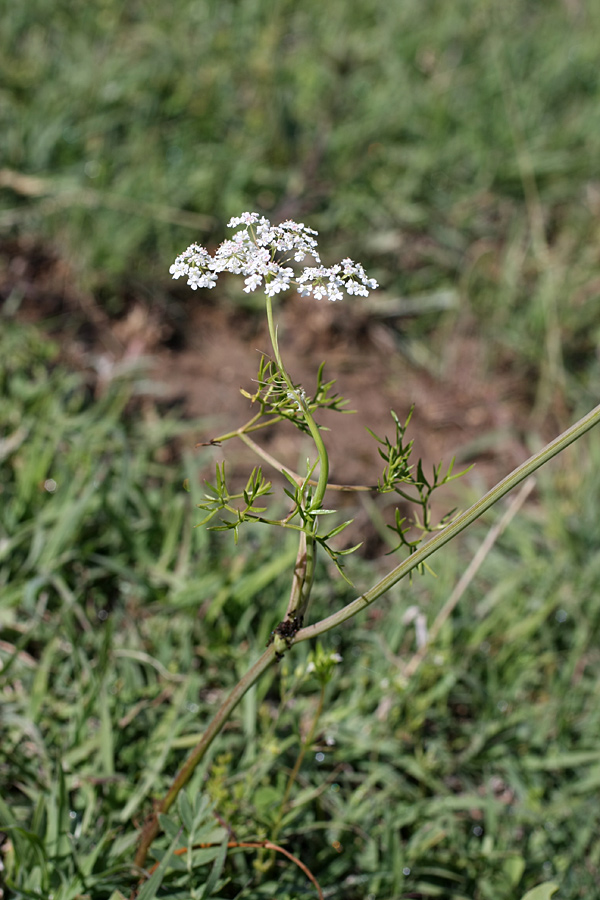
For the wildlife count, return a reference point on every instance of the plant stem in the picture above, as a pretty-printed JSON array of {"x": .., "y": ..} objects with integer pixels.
[
  {"x": 519, "y": 474},
  {"x": 152, "y": 827},
  {"x": 454, "y": 528},
  {"x": 319, "y": 494},
  {"x": 305, "y": 561},
  {"x": 466, "y": 578},
  {"x": 279, "y": 467},
  {"x": 304, "y": 573}
]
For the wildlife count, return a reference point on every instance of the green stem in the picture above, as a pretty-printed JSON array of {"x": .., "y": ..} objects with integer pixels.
[
  {"x": 576, "y": 431},
  {"x": 152, "y": 827},
  {"x": 305, "y": 563},
  {"x": 317, "y": 500},
  {"x": 319, "y": 495},
  {"x": 275, "y": 343},
  {"x": 262, "y": 453},
  {"x": 304, "y": 573},
  {"x": 454, "y": 528},
  {"x": 248, "y": 428}
]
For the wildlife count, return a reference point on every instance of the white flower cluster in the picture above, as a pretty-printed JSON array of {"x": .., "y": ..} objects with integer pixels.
[{"x": 258, "y": 252}]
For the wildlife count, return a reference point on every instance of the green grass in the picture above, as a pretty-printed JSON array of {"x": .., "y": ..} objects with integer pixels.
[
  {"x": 459, "y": 142},
  {"x": 122, "y": 625},
  {"x": 101, "y": 573},
  {"x": 452, "y": 147}
]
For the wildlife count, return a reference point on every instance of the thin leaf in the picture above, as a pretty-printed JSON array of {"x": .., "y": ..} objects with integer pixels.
[{"x": 151, "y": 887}]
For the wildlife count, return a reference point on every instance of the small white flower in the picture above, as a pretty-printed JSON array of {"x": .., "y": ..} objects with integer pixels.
[
  {"x": 353, "y": 287},
  {"x": 194, "y": 279},
  {"x": 281, "y": 282},
  {"x": 246, "y": 218},
  {"x": 334, "y": 292},
  {"x": 257, "y": 252},
  {"x": 260, "y": 261},
  {"x": 252, "y": 282},
  {"x": 179, "y": 268},
  {"x": 209, "y": 280}
]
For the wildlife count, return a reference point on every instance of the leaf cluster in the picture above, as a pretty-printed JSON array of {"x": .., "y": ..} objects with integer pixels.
[
  {"x": 301, "y": 496},
  {"x": 413, "y": 486},
  {"x": 399, "y": 476},
  {"x": 196, "y": 832},
  {"x": 276, "y": 399},
  {"x": 221, "y": 500}
]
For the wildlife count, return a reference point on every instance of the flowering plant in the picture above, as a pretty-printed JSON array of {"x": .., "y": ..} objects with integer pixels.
[
  {"x": 254, "y": 253},
  {"x": 265, "y": 256}
]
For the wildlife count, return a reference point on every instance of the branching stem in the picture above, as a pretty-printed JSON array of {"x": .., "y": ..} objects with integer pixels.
[
  {"x": 455, "y": 527},
  {"x": 319, "y": 494}
]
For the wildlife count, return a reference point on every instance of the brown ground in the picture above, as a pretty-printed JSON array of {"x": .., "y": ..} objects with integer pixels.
[{"x": 202, "y": 350}]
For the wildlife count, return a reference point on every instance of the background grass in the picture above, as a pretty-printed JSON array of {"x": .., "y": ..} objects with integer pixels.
[
  {"x": 121, "y": 628},
  {"x": 459, "y": 142},
  {"x": 449, "y": 147}
]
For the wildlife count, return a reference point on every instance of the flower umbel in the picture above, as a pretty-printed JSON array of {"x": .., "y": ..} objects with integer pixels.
[{"x": 259, "y": 252}]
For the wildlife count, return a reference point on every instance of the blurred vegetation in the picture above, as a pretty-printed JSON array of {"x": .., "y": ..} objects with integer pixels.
[
  {"x": 458, "y": 141},
  {"x": 449, "y": 147},
  {"x": 121, "y": 626}
]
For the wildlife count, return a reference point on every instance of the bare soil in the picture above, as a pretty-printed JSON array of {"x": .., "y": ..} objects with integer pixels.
[{"x": 201, "y": 350}]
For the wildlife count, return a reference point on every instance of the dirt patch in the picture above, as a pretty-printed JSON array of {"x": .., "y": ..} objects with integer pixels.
[
  {"x": 452, "y": 413},
  {"x": 201, "y": 350}
]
